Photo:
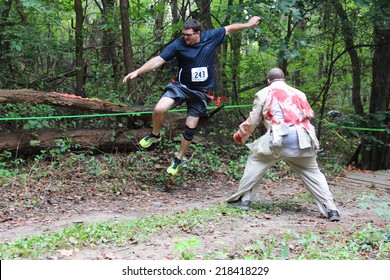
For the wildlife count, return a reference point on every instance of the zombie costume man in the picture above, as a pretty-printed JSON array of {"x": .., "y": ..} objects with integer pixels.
[{"x": 290, "y": 136}]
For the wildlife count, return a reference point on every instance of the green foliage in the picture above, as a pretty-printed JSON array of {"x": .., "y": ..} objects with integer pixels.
[
  {"x": 184, "y": 245},
  {"x": 36, "y": 124},
  {"x": 382, "y": 208},
  {"x": 366, "y": 243},
  {"x": 364, "y": 127},
  {"x": 5, "y": 173}
]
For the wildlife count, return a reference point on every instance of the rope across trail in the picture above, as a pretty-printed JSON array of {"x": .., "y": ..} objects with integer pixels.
[
  {"x": 114, "y": 114},
  {"x": 171, "y": 111}
]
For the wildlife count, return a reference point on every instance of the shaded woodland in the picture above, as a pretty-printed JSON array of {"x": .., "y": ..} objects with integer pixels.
[{"x": 337, "y": 52}]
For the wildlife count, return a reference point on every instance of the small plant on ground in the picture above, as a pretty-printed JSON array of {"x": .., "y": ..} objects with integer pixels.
[{"x": 183, "y": 246}]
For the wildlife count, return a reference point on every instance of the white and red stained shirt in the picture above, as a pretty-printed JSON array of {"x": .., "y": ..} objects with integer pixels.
[{"x": 285, "y": 113}]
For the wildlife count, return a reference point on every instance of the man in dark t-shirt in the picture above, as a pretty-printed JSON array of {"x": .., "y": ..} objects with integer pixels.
[{"x": 195, "y": 53}]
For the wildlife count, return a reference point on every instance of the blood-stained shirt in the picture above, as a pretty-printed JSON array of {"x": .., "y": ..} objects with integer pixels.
[{"x": 284, "y": 111}]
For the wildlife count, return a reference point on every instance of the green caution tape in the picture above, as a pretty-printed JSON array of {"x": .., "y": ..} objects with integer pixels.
[
  {"x": 172, "y": 111},
  {"x": 112, "y": 114},
  {"x": 354, "y": 128}
]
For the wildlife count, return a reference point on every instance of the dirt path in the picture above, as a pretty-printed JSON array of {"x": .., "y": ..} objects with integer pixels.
[{"x": 217, "y": 238}]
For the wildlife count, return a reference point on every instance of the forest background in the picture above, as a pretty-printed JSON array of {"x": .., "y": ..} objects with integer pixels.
[{"x": 336, "y": 51}]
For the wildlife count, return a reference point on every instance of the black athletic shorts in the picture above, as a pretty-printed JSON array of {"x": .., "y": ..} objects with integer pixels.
[{"x": 196, "y": 100}]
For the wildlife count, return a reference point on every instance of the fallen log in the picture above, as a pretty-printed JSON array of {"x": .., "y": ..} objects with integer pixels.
[
  {"x": 81, "y": 139},
  {"x": 65, "y": 100},
  {"x": 104, "y": 139},
  {"x": 84, "y": 138}
]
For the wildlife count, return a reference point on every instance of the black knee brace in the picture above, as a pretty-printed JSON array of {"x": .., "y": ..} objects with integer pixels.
[{"x": 189, "y": 133}]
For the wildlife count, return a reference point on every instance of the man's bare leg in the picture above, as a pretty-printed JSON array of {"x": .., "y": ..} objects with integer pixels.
[
  {"x": 191, "y": 122},
  {"x": 162, "y": 106}
]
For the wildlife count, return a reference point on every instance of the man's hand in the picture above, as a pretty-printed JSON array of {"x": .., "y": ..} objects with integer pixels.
[
  {"x": 237, "y": 138},
  {"x": 240, "y": 26},
  {"x": 130, "y": 76},
  {"x": 149, "y": 65},
  {"x": 254, "y": 21}
]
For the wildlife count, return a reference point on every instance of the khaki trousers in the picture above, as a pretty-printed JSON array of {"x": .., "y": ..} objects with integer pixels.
[{"x": 306, "y": 168}]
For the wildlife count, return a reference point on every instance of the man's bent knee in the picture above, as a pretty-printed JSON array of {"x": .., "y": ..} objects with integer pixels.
[
  {"x": 160, "y": 110},
  {"x": 189, "y": 133},
  {"x": 164, "y": 105}
]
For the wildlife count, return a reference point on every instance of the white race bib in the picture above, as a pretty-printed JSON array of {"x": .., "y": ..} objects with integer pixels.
[{"x": 199, "y": 74}]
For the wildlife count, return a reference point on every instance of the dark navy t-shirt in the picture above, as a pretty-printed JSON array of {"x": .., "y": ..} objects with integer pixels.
[{"x": 196, "y": 62}]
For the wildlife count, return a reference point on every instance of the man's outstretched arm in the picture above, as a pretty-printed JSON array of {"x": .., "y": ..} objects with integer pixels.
[
  {"x": 240, "y": 26},
  {"x": 149, "y": 65}
]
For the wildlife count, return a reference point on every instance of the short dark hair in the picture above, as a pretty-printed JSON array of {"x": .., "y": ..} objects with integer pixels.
[{"x": 192, "y": 24}]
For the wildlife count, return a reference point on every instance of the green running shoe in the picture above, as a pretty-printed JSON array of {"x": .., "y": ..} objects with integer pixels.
[
  {"x": 148, "y": 140},
  {"x": 174, "y": 167}
]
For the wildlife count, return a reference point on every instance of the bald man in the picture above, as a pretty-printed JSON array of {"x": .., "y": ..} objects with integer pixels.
[{"x": 290, "y": 136}]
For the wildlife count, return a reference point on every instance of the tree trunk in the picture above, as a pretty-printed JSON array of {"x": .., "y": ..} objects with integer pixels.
[
  {"x": 348, "y": 36},
  {"x": 174, "y": 11},
  {"x": 85, "y": 138},
  {"x": 79, "y": 48},
  {"x": 329, "y": 71},
  {"x": 283, "y": 63},
  {"x": 82, "y": 139},
  {"x": 128, "y": 50},
  {"x": 108, "y": 47},
  {"x": 5, "y": 44},
  {"x": 376, "y": 155},
  {"x": 19, "y": 8},
  {"x": 159, "y": 21},
  {"x": 77, "y": 139},
  {"x": 236, "y": 47},
  {"x": 380, "y": 88},
  {"x": 236, "y": 59},
  {"x": 64, "y": 101},
  {"x": 222, "y": 53}
]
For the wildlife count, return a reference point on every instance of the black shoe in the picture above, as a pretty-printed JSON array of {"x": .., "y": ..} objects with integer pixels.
[
  {"x": 333, "y": 215},
  {"x": 243, "y": 204}
]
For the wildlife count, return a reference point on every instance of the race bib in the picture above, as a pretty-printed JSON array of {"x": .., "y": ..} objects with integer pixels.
[{"x": 199, "y": 74}]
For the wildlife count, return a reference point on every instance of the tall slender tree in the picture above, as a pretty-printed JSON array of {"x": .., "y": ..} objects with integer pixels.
[
  {"x": 4, "y": 21},
  {"x": 80, "y": 73},
  {"x": 127, "y": 48},
  {"x": 376, "y": 154},
  {"x": 109, "y": 43},
  {"x": 348, "y": 34}
]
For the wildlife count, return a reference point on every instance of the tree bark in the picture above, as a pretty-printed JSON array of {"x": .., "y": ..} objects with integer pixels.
[
  {"x": 376, "y": 155},
  {"x": 348, "y": 36},
  {"x": 101, "y": 139},
  {"x": 108, "y": 43},
  {"x": 5, "y": 44},
  {"x": 79, "y": 48},
  {"x": 84, "y": 138},
  {"x": 19, "y": 8},
  {"x": 81, "y": 139},
  {"x": 64, "y": 100},
  {"x": 159, "y": 21},
  {"x": 128, "y": 50},
  {"x": 380, "y": 87}
]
